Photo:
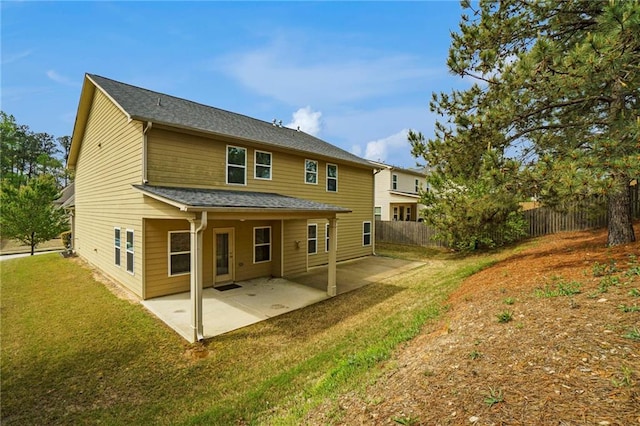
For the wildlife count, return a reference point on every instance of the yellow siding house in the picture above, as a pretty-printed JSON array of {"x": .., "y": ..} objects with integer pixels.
[{"x": 172, "y": 196}]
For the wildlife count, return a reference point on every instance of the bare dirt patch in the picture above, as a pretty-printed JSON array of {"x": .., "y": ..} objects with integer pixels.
[{"x": 566, "y": 350}]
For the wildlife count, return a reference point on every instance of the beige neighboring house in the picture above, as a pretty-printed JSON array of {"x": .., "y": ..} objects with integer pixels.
[
  {"x": 397, "y": 192},
  {"x": 172, "y": 196}
]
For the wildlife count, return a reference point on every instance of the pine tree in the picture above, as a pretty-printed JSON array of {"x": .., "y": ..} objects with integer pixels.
[{"x": 555, "y": 103}]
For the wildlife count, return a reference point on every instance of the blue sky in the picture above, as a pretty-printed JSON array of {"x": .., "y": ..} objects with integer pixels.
[{"x": 356, "y": 74}]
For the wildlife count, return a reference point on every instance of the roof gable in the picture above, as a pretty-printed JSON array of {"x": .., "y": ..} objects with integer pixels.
[{"x": 146, "y": 105}]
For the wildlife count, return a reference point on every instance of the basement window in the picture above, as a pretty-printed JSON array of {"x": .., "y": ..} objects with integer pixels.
[
  {"x": 117, "y": 245},
  {"x": 130, "y": 256},
  {"x": 312, "y": 239},
  {"x": 179, "y": 253},
  {"x": 261, "y": 244},
  {"x": 366, "y": 233}
]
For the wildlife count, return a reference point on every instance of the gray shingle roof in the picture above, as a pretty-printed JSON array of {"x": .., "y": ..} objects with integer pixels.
[
  {"x": 222, "y": 198},
  {"x": 147, "y": 105}
]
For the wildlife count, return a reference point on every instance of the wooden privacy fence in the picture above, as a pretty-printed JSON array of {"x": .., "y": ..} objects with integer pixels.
[
  {"x": 542, "y": 221},
  {"x": 407, "y": 233}
]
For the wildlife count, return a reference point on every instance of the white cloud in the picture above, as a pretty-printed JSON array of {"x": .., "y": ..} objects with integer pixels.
[
  {"x": 7, "y": 59},
  {"x": 53, "y": 75},
  {"x": 380, "y": 150},
  {"x": 286, "y": 71},
  {"x": 307, "y": 119}
]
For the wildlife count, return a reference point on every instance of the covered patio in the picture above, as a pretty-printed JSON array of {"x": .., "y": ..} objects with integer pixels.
[{"x": 248, "y": 302}]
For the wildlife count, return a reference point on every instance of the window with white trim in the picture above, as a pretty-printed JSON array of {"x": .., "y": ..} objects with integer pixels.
[
  {"x": 262, "y": 165},
  {"x": 117, "y": 245},
  {"x": 408, "y": 214},
  {"x": 394, "y": 181},
  {"x": 312, "y": 238},
  {"x": 326, "y": 237},
  {"x": 417, "y": 186},
  {"x": 261, "y": 244},
  {"x": 129, "y": 250},
  {"x": 236, "y": 165},
  {"x": 311, "y": 172},
  {"x": 366, "y": 233},
  {"x": 179, "y": 253},
  {"x": 395, "y": 213},
  {"x": 378, "y": 213},
  {"x": 332, "y": 178}
]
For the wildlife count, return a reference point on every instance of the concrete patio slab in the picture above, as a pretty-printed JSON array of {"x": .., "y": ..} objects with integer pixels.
[
  {"x": 356, "y": 273},
  {"x": 224, "y": 311},
  {"x": 259, "y": 299}
]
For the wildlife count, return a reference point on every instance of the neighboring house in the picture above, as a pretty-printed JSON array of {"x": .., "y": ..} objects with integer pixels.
[
  {"x": 397, "y": 192},
  {"x": 172, "y": 196}
]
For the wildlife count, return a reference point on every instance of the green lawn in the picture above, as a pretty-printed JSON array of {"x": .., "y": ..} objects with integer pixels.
[{"x": 73, "y": 353}]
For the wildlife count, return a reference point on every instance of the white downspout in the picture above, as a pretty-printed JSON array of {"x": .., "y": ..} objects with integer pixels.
[
  {"x": 196, "y": 275},
  {"x": 144, "y": 152}
]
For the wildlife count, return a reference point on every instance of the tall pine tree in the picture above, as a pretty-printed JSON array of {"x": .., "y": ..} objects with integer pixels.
[{"x": 556, "y": 95}]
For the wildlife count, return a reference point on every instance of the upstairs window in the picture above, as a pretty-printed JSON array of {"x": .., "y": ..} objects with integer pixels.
[
  {"x": 261, "y": 244},
  {"x": 394, "y": 182},
  {"x": 332, "y": 178},
  {"x": 179, "y": 253},
  {"x": 117, "y": 245},
  {"x": 311, "y": 172},
  {"x": 236, "y": 165},
  {"x": 130, "y": 250},
  {"x": 417, "y": 186},
  {"x": 378, "y": 213},
  {"x": 312, "y": 240},
  {"x": 263, "y": 165}
]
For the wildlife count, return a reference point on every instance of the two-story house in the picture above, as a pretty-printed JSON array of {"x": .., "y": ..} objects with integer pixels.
[
  {"x": 397, "y": 192},
  {"x": 172, "y": 196}
]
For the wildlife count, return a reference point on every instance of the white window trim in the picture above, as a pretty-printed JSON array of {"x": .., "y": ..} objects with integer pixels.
[
  {"x": 363, "y": 233},
  {"x": 305, "y": 172},
  {"x": 170, "y": 253},
  {"x": 118, "y": 247},
  {"x": 255, "y": 165},
  {"x": 132, "y": 251},
  {"x": 396, "y": 213},
  {"x": 315, "y": 225},
  {"x": 261, "y": 245},
  {"x": 394, "y": 182},
  {"x": 226, "y": 168},
  {"x": 407, "y": 213},
  {"x": 335, "y": 178}
]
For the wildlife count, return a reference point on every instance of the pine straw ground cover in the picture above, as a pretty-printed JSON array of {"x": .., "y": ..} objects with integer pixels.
[{"x": 548, "y": 336}]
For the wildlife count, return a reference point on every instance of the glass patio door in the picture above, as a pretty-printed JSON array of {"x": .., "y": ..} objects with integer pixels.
[{"x": 223, "y": 239}]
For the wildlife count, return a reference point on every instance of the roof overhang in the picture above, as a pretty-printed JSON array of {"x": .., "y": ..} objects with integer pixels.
[
  {"x": 405, "y": 194},
  {"x": 238, "y": 202}
]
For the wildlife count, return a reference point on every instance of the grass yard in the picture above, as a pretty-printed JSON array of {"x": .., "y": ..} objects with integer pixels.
[{"x": 72, "y": 352}]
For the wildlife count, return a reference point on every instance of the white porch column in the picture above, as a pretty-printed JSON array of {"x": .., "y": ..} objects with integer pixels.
[
  {"x": 197, "y": 227},
  {"x": 333, "y": 249}
]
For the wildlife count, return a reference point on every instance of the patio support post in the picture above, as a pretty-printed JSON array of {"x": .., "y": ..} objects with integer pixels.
[
  {"x": 197, "y": 228},
  {"x": 333, "y": 248}
]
